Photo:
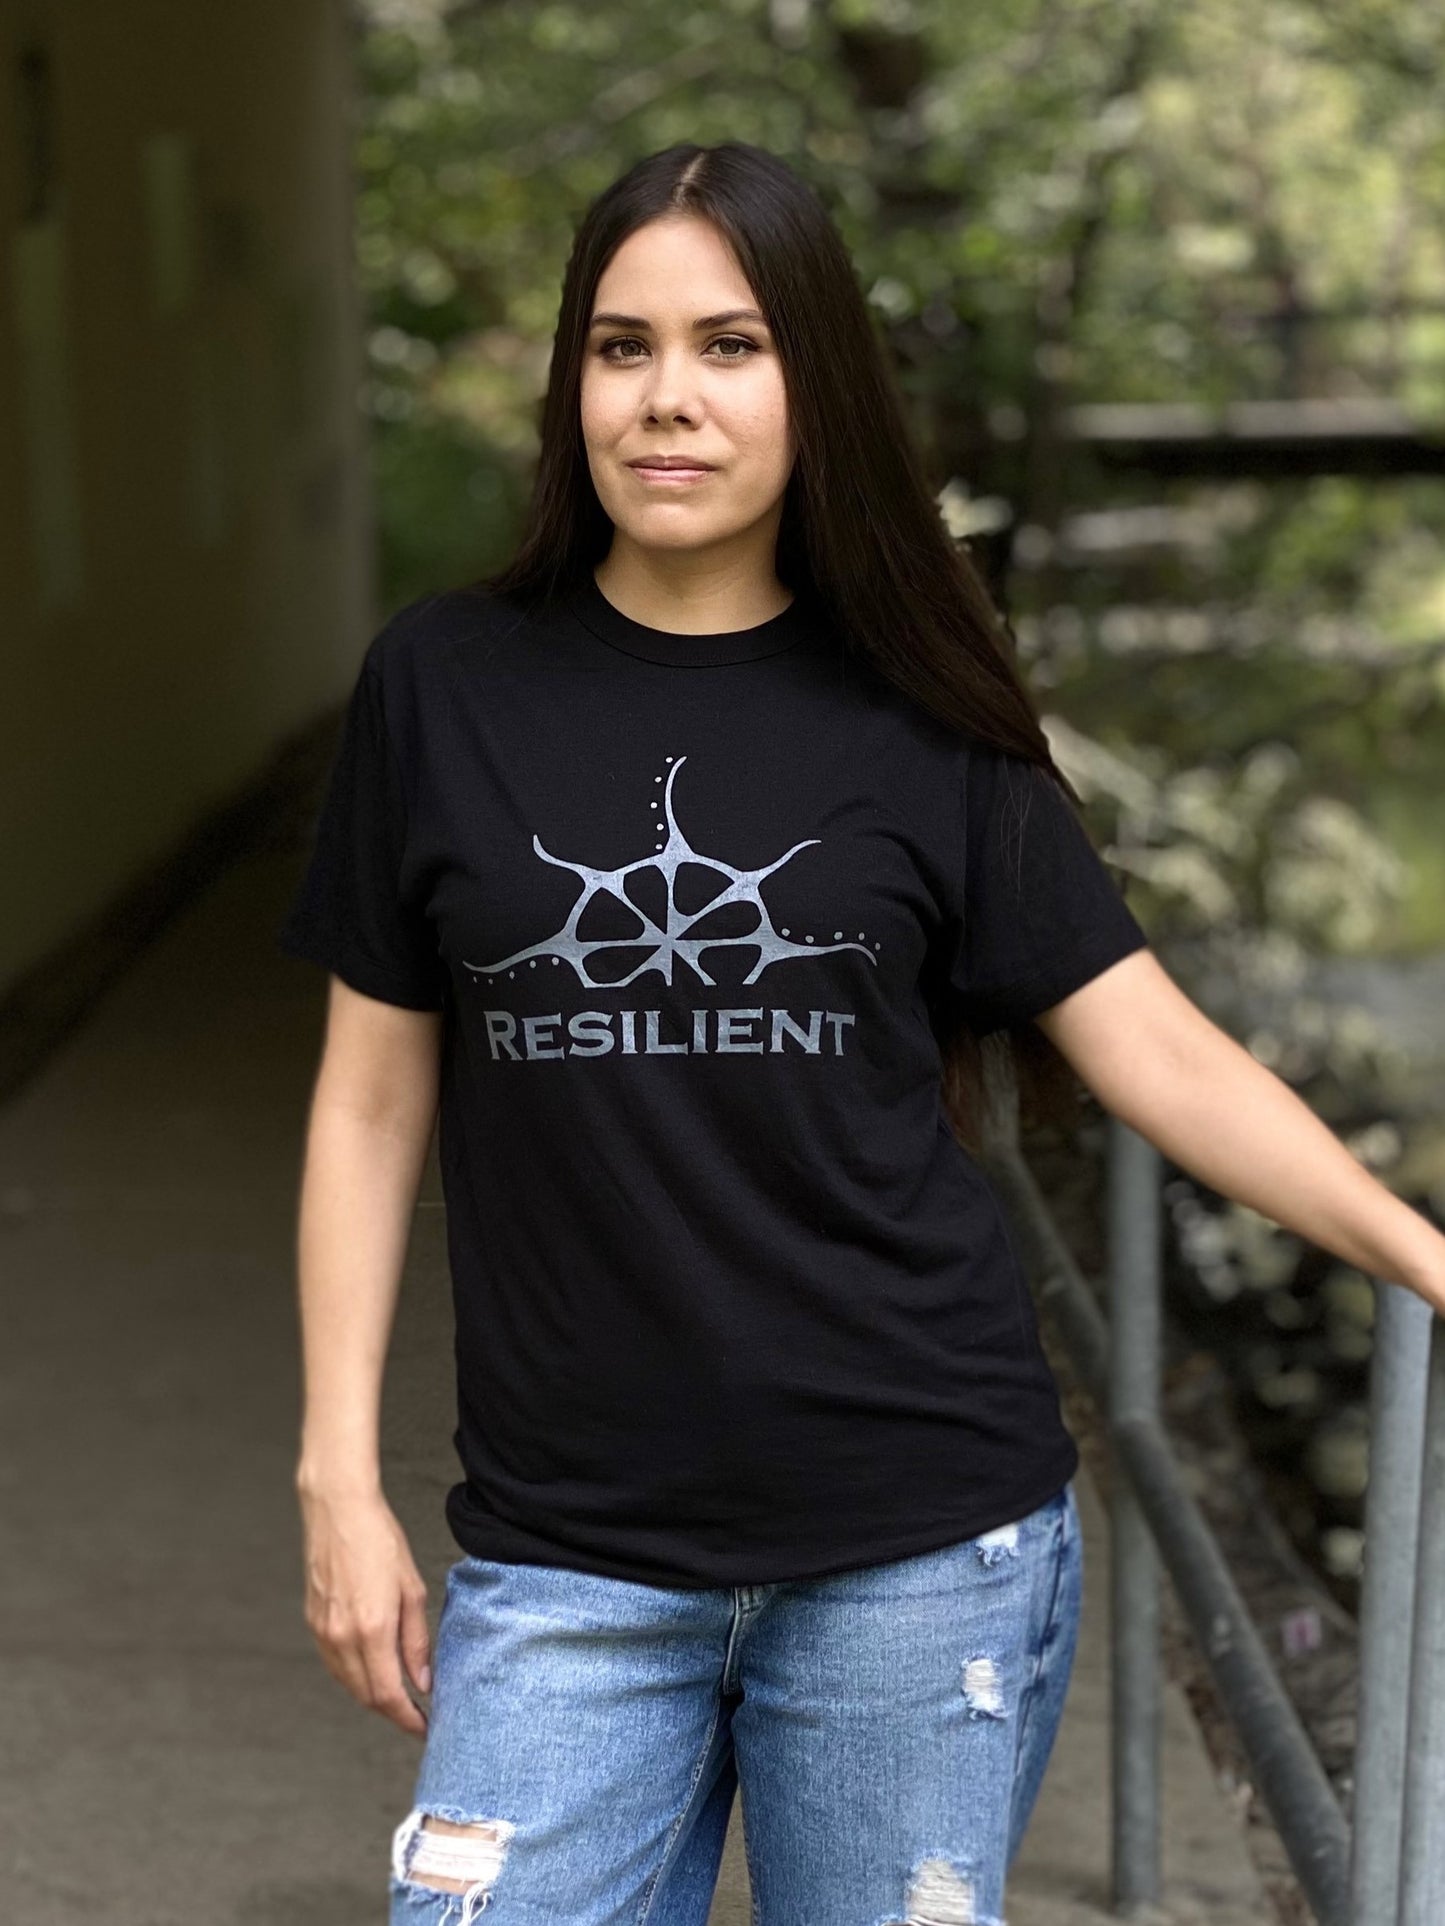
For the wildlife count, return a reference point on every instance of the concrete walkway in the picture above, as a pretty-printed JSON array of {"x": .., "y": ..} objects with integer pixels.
[{"x": 174, "y": 1749}]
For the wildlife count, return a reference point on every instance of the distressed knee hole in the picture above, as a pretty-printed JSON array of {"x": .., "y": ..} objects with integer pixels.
[
  {"x": 939, "y": 1894},
  {"x": 982, "y": 1690},
  {"x": 451, "y": 1855}
]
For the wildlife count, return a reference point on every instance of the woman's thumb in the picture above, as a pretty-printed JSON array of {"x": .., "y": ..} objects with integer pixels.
[{"x": 416, "y": 1645}]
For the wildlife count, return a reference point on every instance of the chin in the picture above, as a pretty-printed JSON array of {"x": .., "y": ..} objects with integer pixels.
[{"x": 671, "y": 532}]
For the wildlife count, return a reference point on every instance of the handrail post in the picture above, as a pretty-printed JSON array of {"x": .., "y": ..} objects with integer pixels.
[
  {"x": 1399, "y": 1370},
  {"x": 1285, "y": 1765},
  {"x": 1422, "y": 1841},
  {"x": 1134, "y": 1224}
]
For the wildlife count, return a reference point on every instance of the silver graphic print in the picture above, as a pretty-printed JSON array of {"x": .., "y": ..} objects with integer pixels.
[{"x": 660, "y": 946}]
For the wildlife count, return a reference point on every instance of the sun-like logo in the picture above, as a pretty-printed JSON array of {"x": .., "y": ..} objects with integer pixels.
[{"x": 661, "y": 945}]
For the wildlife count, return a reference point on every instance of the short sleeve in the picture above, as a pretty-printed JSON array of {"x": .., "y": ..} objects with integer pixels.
[
  {"x": 1040, "y": 914},
  {"x": 350, "y": 912}
]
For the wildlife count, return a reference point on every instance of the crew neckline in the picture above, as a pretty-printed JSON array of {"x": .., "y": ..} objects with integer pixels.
[{"x": 713, "y": 648}]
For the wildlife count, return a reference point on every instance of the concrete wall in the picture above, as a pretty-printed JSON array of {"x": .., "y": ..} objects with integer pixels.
[{"x": 184, "y": 529}]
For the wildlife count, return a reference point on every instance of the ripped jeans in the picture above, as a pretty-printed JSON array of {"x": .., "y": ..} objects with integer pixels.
[{"x": 887, "y": 1728}]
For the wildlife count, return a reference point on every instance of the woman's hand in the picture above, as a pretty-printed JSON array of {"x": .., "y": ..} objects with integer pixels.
[{"x": 366, "y": 1601}]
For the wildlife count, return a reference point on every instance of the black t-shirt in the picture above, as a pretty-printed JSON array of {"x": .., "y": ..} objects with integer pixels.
[{"x": 732, "y": 1302}]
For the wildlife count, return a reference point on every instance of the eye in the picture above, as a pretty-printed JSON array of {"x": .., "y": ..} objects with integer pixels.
[
  {"x": 737, "y": 341},
  {"x": 608, "y": 349}
]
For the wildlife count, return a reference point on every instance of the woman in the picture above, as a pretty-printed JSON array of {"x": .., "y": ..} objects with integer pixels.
[{"x": 683, "y": 864}]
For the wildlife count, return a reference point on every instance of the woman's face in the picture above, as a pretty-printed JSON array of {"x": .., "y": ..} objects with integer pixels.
[{"x": 665, "y": 373}]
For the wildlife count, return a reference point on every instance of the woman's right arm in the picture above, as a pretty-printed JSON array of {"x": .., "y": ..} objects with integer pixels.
[{"x": 372, "y": 1113}]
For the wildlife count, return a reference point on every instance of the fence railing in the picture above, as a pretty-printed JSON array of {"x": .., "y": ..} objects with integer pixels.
[{"x": 1384, "y": 1865}]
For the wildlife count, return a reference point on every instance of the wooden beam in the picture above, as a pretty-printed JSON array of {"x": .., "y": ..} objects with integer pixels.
[{"x": 1327, "y": 437}]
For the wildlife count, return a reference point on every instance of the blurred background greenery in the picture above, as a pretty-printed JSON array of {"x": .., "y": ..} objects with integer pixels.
[
  {"x": 1165, "y": 288},
  {"x": 1049, "y": 205}
]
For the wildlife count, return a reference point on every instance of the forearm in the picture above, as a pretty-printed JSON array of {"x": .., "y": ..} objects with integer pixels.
[
  {"x": 358, "y": 1194},
  {"x": 1220, "y": 1114}
]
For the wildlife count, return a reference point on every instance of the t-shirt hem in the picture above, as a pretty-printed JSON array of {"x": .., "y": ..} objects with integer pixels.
[{"x": 505, "y": 1544}]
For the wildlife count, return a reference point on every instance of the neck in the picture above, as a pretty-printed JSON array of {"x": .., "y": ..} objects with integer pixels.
[{"x": 690, "y": 594}]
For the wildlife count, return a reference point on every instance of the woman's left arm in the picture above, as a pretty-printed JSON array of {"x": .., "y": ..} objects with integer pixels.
[{"x": 1156, "y": 1061}]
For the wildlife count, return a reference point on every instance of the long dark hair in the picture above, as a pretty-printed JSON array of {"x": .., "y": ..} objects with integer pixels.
[{"x": 860, "y": 532}]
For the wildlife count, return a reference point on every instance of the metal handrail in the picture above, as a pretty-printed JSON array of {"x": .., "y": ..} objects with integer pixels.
[{"x": 1387, "y": 1866}]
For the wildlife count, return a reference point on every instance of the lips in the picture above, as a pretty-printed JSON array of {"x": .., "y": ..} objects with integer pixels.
[{"x": 669, "y": 464}]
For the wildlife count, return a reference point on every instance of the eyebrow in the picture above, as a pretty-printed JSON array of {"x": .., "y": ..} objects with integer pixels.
[{"x": 704, "y": 321}]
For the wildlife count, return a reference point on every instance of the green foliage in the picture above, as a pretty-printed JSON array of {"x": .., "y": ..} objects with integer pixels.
[
  {"x": 450, "y": 505},
  {"x": 1048, "y": 201}
]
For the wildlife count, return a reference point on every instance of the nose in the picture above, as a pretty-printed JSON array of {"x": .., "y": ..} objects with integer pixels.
[{"x": 671, "y": 390}]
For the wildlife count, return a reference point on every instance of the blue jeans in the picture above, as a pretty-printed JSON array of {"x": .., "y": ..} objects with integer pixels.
[{"x": 888, "y": 1728}]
